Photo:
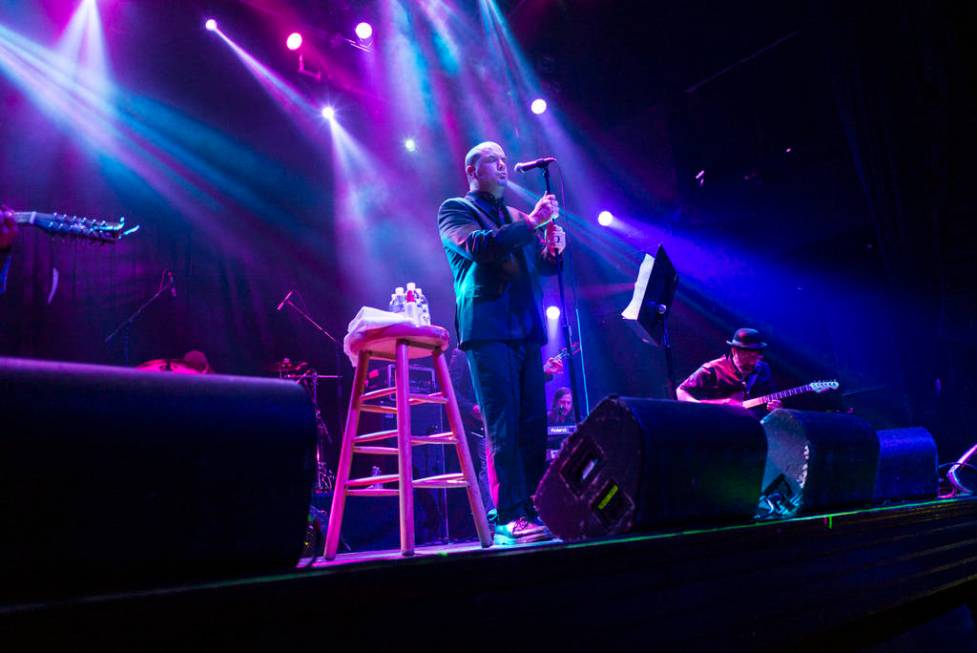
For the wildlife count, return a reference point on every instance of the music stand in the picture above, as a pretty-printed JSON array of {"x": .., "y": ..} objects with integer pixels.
[{"x": 651, "y": 304}]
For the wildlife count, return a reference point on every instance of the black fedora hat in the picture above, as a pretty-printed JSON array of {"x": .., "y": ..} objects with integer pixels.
[{"x": 747, "y": 339}]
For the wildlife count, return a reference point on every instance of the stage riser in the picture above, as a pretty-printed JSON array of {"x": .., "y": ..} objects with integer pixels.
[{"x": 816, "y": 583}]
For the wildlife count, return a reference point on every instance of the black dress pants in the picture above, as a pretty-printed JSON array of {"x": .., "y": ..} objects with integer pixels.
[{"x": 508, "y": 380}]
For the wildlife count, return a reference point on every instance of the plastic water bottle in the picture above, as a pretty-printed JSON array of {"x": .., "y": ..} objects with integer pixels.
[
  {"x": 423, "y": 307},
  {"x": 410, "y": 307},
  {"x": 397, "y": 300}
]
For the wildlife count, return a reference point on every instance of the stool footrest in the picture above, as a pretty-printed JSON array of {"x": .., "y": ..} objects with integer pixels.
[
  {"x": 374, "y": 408},
  {"x": 442, "y": 481},
  {"x": 373, "y": 437},
  {"x": 376, "y": 394},
  {"x": 372, "y": 492},
  {"x": 433, "y": 398},
  {"x": 372, "y": 480},
  {"x": 377, "y": 451},
  {"x": 447, "y": 437}
]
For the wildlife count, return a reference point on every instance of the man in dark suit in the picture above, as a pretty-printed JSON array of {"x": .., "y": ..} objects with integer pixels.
[{"x": 497, "y": 255}]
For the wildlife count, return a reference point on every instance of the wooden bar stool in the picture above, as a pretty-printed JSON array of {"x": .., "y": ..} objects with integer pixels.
[{"x": 401, "y": 343}]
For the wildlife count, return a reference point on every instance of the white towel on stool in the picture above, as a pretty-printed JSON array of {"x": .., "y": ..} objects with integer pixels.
[{"x": 367, "y": 319}]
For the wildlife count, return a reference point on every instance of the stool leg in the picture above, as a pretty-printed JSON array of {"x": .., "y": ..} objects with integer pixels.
[
  {"x": 346, "y": 457},
  {"x": 461, "y": 449},
  {"x": 405, "y": 463}
]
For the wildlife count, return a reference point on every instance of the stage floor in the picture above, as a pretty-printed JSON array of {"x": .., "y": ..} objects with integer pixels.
[{"x": 757, "y": 585}]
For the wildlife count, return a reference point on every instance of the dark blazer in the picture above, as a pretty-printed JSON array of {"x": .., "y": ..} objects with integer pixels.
[{"x": 489, "y": 304}]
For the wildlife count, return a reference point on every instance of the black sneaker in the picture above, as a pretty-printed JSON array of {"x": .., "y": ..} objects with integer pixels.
[{"x": 520, "y": 531}]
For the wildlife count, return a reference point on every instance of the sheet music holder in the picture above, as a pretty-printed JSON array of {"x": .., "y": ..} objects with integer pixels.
[{"x": 651, "y": 304}]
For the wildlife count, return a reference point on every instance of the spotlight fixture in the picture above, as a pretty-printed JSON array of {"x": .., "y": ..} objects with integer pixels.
[
  {"x": 410, "y": 145},
  {"x": 538, "y": 106},
  {"x": 605, "y": 218},
  {"x": 329, "y": 113},
  {"x": 211, "y": 25},
  {"x": 364, "y": 31},
  {"x": 294, "y": 41},
  {"x": 553, "y": 312}
]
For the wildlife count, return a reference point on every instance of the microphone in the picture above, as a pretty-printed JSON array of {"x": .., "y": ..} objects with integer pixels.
[
  {"x": 172, "y": 286},
  {"x": 285, "y": 301},
  {"x": 526, "y": 166}
]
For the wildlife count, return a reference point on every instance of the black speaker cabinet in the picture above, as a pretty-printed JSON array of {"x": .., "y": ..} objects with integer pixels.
[
  {"x": 114, "y": 478},
  {"x": 641, "y": 464},
  {"x": 907, "y": 465},
  {"x": 817, "y": 461}
]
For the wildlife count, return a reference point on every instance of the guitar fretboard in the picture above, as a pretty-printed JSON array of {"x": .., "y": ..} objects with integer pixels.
[{"x": 790, "y": 392}]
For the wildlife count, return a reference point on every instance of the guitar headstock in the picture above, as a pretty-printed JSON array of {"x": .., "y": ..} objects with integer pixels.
[
  {"x": 824, "y": 386},
  {"x": 76, "y": 227}
]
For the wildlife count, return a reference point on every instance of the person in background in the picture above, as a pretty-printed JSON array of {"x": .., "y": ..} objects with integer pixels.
[
  {"x": 8, "y": 232},
  {"x": 561, "y": 412},
  {"x": 730, "y": 379}
]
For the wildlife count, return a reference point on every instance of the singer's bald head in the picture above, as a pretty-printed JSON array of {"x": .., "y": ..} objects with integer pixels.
[{"x": 485, "y": 167}]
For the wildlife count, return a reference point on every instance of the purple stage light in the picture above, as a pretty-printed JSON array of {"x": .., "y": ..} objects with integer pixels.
[
  {"x": 294, "y": 41},
  {"x": 538, "y": 106},
  {"x": 553, "y": 312},
  {"x": 364, "y": 31},
  {"x": 329, "y": 113},
  {"x": 410, "y": 145},
  {"x": 605, "y": 218},
  {"x": 211, "y": 25}
]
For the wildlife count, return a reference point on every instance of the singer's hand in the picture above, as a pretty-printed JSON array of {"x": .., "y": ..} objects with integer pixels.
[
  {"x": 556, "y": 239},
  {"x": 546, "y": 208}
]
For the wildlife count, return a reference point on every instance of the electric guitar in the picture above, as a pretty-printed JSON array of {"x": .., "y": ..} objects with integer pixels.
[
  {"x": 75, "y": 227},
  {"x": 814, "y": 386},
  {"x": 562, "y": 356}
]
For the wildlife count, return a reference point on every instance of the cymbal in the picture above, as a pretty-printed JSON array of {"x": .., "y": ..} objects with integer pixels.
[
  {"x": 174, "y": 365},
  {"x": 287, "y": 366}
]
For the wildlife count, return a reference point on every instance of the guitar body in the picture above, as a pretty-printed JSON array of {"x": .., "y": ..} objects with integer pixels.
[{"x": 735, "y": 399}]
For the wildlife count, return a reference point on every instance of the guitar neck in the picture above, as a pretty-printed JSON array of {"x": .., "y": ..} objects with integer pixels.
[
  {"x": 760, "y": 401},
  {"x": 25, "y": 217}
]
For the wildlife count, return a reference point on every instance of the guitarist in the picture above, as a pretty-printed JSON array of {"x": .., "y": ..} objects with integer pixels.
[
  {"x": 737, "y": 376},
  {"x": 8, "y": 231}
]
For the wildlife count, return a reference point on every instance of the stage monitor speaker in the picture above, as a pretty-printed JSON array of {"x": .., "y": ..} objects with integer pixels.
[
  {"x": 641, "y": 464},
  {"x": 907, "y": 465},
  {"x": 114, "y": 478},
  {"x": 817, "y": 461}
]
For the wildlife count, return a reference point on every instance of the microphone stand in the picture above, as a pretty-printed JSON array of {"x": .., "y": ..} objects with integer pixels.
[
  {"x": 127, "y": 324},
  {"x": 337, "y": 347},
  {"x": 564, "y": 318}
]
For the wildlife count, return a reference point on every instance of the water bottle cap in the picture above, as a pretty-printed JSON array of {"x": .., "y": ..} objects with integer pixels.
[
  {"x": 411, "y": 285},
  {"x": 399, "y": 290}
]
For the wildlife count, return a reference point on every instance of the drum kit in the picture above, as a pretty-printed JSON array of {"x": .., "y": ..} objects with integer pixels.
[{"x": 308, "y": 378}]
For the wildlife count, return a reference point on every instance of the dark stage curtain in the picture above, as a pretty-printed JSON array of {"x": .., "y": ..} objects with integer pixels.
[{"x": 904, "y": 85}]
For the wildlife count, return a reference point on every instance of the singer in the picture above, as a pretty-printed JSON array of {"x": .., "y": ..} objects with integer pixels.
[{"x": 496, "y": 256}]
